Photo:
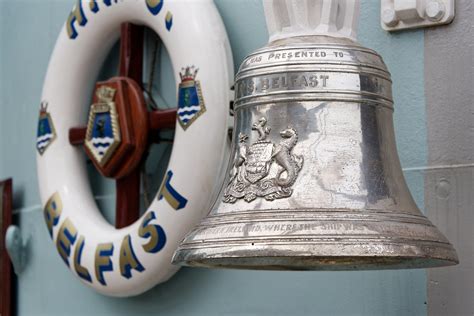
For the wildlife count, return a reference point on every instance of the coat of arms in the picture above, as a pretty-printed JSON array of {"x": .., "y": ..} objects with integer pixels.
[
  {"x": 46, "y": 133},
  {"x": 103, "y": 130},
  {"x": 190, "y": 100},
  {"x": 264, "y": 169}
]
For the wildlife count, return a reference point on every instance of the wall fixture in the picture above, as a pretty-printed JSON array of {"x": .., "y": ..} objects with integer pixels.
[
  {"x": 16, "y": 248},
  {"x": 411, "y": 14}
]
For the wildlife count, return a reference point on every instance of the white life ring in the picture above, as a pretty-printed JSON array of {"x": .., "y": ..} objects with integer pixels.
[{"x": 131, "y": 260}]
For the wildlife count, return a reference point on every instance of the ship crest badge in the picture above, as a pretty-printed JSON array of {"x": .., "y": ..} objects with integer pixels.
[
  {"x": 190, "y": 99},
  {"x": 46, "y": 133},
  {"x": 264, "y": 169},
  {"x": 103, "y": 129}
]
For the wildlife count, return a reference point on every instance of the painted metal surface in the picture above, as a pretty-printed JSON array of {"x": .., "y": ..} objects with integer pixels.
[
  {"x": 189, "y": 293},
  {"x": 449, "y": 176}
]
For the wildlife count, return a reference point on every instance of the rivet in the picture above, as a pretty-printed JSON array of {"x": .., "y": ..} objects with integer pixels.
[
  {"x": 435, "y": 10},
  {"x": 443, "y": 188},
  {"x": 389, "y": 17}
]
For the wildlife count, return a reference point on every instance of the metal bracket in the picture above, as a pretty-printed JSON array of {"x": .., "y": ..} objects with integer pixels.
[
  {"x": 410, "y": 14},
  {"x": 16, "y": 248}
]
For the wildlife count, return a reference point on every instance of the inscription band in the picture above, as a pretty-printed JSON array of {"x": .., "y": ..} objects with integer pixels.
[{"x": 312, "y": 81}]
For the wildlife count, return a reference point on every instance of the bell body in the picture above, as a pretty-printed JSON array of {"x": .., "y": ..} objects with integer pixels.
[{"x": 314, "y": 180}]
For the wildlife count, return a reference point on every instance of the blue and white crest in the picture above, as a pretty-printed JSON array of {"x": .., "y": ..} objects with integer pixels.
[
  {"x": 103, "y": 131},
  {"x": 190, "y": 100},
  {"x": 46, "y": 133}
]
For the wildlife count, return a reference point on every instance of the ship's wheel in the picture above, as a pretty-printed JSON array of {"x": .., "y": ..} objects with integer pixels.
[{"x": 136, "y": 130}]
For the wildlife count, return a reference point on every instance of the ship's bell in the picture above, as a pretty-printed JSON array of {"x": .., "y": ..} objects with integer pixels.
[{"x": 314, "y": 181}]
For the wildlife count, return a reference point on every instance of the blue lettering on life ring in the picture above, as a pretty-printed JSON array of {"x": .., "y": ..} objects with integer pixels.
[
  {"x": 154, "y": 232},
  {"x": 103, "y": 263},
  {"x": 109, "y": 2},
  {"x": 52, "y": 212},
  {"x": 128, "y": 259},
  {"x": 76, "y": 15},
  {"x": 169, "y": 20},
  {"x": 65, "y": 240},
  {"x": 176, "y": 200},
  {"x": 81, "y": 271}
]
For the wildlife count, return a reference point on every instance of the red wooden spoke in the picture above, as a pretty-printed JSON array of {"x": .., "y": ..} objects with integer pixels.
[
  {"x": 5, "y": 264},
  {"x": 131, "y": 65},
  {"x": 127, "y": 195},
  {"x": 164, "y": 119},
  {"x": 127, "y": 199},
  {"x": 77, "y": 135},
  {"x": 158, "y": 120},
  {"x": 131, "y": 52}
]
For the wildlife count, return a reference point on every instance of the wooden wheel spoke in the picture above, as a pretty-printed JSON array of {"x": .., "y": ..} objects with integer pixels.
[{"x": 158, "y": 120}]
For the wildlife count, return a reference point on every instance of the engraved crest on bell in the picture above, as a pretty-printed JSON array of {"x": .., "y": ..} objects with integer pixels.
[{"x": 251, "y": 177}]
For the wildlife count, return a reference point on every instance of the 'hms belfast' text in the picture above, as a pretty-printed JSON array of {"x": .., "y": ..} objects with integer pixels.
[{"x": 258, "y": 85}]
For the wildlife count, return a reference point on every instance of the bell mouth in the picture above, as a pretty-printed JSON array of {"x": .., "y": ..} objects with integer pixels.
[
  {"x": 317, "y": 240},
  {"x": 301, "y": 263}
]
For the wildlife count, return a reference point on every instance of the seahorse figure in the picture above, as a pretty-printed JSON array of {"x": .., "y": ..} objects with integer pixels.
[
  {"x": 236, "y": 185},
  {"x": 260, "y": 127},
  {"x": 291, "y": 163},
  {"x": 241, "y": 156}
]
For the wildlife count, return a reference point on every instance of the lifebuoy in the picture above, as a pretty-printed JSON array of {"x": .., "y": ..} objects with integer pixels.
[{"x": 129, "y": 261}]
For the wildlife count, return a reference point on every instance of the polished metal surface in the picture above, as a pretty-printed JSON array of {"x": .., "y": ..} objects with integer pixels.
[{"x": 314, "y": 181}]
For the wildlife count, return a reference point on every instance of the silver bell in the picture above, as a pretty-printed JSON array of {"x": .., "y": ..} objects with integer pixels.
[{"x": 314, "y": 181}]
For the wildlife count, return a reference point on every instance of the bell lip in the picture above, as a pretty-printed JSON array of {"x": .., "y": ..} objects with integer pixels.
[
  {"x": 281, "y": 258},
  {"x": 418, "y": 245},
  {"x": 282, "y": 265},
  {"x": 318, "y": 253}
]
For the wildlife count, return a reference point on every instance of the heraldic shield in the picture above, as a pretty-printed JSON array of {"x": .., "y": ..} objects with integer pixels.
[
  {"x": 103, "y": 131},
  {"x": 190, "y": 100},
  {"x": 259, "y": 161},
  {"x": 251, "y": 175},
  {"x": 46, "y": 133}
]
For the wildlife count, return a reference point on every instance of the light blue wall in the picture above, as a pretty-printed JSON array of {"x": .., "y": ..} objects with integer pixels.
[{"x": 28, "y": 30}]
